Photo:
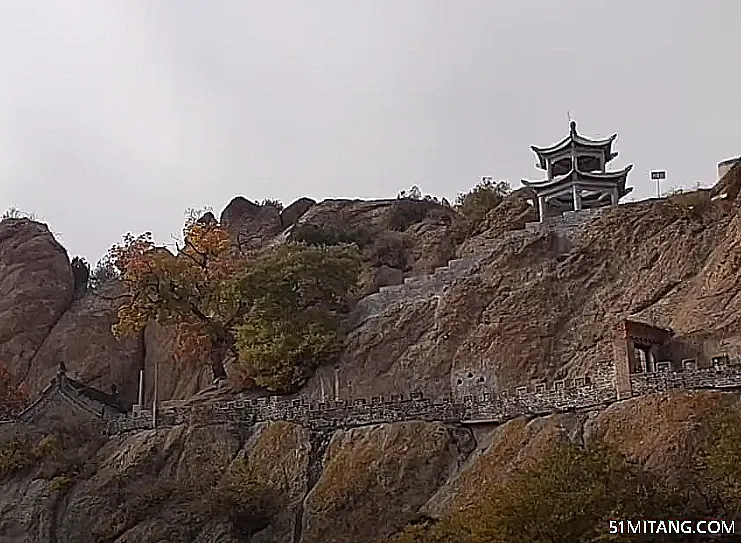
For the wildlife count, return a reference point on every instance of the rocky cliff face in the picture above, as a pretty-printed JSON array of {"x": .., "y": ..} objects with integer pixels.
[
  {"x": 514, "y": 305},
  {"x": 36, "y": 288},
  {"x": 355, "y": 485},
  {"x": 42, "y": 325},
  {"x": 524, "y": 305}
]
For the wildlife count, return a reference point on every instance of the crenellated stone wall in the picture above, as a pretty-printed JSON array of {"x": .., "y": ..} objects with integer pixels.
[
  {"x": 725, "y": 373},
  {"x": 585, "y": 392},
  {"x": 589, "y": 391},
  {"x": 534, "y": 400}
]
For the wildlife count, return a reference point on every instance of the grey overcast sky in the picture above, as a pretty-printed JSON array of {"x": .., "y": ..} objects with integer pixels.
[{"x": 118, "y": 115}]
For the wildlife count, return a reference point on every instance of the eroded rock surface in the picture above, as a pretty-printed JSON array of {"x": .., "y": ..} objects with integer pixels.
[
  {"x": 83, "y": 340},
  {"x": 36, "y": 288},
  {"x": 352, "y": 485}
]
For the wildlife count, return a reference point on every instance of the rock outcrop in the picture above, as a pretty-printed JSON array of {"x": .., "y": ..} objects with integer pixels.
[
  {"x": 249, "y": 224},
  {"x": 83, "y": 341},
  {"x": 36, "y": 288},
  {"x": 527, "y": 305},
  {"x": 293, "y": 212},
  {"x": 357, "y": 485},
  {"x": 511, "y": 304}
]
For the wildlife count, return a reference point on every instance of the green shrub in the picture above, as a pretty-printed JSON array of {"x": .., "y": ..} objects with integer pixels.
[
  {"x": 59, "y": 483},
  {"x": 281, "y": 354},
  {"x": 407, "y": 212},
  {"x": 272, "y": 202},
  {"x": 81, "y": 274},
  {"x": 325, "y": 235},
  {"x": 15, "y": 213},
  {"x": 15, "y": 456},
  {"x": 21, "y": 451},
  {"x": 249, "y": 503},
  {"x": 481, "y": 199},
  {"x": 296, "y": 294},
  {"x": 103, "y": 272},
  {"x": 569, "y": 494}
]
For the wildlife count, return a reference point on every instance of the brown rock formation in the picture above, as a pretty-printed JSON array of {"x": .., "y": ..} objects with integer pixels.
[
  {"x": 293, "y": 212},
  {"x": 82, "y": 339},
  {"x": 356, "y": 485},
  {"x": 249, "y": 224},
  {"x": 36, "y": 288},
  {"x": 543, "y": 309},
  {"x": 533, "y": 307}
]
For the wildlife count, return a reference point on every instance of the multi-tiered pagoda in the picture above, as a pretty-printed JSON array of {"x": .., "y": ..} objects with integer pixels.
[{"x": 576, "y": 176}]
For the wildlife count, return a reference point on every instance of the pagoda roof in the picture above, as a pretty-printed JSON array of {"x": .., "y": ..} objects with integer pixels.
[
  {"x": 575, "y": 176},
  {"x": 578, "y": 141}
]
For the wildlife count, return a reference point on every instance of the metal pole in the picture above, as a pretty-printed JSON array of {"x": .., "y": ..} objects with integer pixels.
[
  {"x": 154, "y": 401},
  {"x": 337, "y": 384},
  {"x": 140, "y": 397}
]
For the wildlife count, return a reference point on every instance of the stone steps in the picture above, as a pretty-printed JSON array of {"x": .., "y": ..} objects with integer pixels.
[{"x": 459, "y": 268}]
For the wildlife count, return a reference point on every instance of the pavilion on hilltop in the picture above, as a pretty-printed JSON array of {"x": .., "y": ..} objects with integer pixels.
[{"x": 576, "y": 175}]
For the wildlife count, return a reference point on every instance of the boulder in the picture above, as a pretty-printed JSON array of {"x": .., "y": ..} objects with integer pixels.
[
  {"x": 36, "y": 288},
  {"x": 291, "y": 214}
]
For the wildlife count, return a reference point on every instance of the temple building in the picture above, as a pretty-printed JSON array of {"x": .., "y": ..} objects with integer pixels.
[{"x": 576, "y": 175}]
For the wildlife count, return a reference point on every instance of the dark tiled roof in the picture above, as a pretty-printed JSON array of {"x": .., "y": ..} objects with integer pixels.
[{"x": 96, "y": 395}]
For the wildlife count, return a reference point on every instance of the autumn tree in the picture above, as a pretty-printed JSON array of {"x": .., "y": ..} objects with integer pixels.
[
  {"x": 277, "y": 312},
  {"x": 13, "y": 398},
  {"x": 191, "y": 290}
]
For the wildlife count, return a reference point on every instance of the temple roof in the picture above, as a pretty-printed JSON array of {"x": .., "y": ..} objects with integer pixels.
[
  {"x": 603, "y": 145},
  {"x": 75, "y": 393},
  {"x": 574, "y": 176},
  {"x": 96, "y": 395}
]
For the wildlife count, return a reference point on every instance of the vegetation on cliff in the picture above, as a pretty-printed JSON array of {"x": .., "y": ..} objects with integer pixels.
[
  {"x": 571, "y": 492},
  {"x": 481, "y": 199},
  {"x": 277, "y": 310},
  {"x": 296, "y": 295},
  {"x": 13, "y": 397}
]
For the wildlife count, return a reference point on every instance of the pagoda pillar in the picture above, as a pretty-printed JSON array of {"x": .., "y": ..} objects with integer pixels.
[
  {"x": 541, "y": 208},
  {"x": 576, "y": 192},
  {"x": 614, "y": 197}
]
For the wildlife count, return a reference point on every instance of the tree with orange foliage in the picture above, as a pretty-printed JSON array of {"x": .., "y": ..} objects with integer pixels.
[
  {"x": 278, "y": 312},
  {"x": 192, "y": 290},
  {"x": 13, "y": 399}
]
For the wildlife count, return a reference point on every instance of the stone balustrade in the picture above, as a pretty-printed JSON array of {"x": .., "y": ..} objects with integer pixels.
[
  {"x": 584, "y": 392},
  {"x": 721, "y": 375},
  {"x": 536, "y": 400}
]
